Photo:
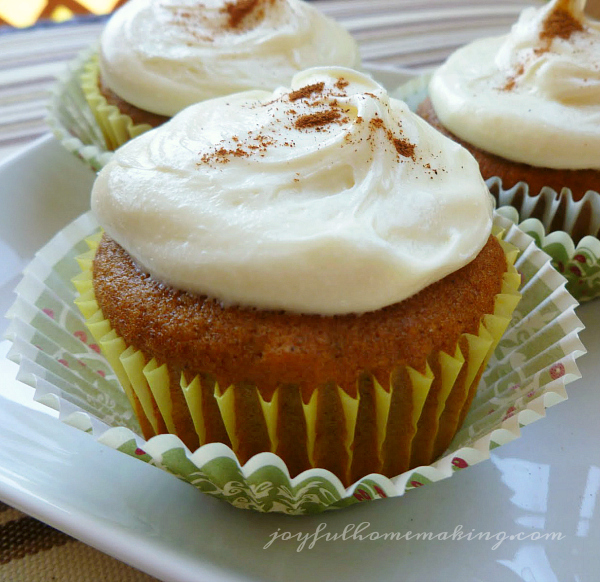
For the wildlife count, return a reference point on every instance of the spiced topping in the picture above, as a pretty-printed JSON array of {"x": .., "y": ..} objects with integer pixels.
[
  {"x": 512, "y": 80},
  {"x": 192, "y": 21},
  {"x": 402, "y": 146},
  {"x": 327, "y": 110},
  {"x": 223, "y": 155},
  {"x": 319, "y": 119},
  {"x": 560, "y": 23},
  {"x": 238, "y": 10},
  {"x": 305, "y": 92},
  {"x": 235, "y": 17},
  {"x": 405, "y": 148}
]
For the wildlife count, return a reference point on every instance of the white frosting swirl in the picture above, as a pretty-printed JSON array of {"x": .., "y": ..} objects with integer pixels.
[
  {"x": 337, "y": 202},
  {"x": 164, "y": 55},
  {"x": 530, "y": 96}
]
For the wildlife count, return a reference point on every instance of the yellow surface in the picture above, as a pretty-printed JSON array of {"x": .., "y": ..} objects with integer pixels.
[
  {"x": 61, "y": 14},
  {"x": 24, "y": 13}
]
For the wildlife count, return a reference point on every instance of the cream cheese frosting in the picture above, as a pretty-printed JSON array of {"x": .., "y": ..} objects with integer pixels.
[
  {"x": 532, "y": 96},
  {"x": 162, "y": 56},
  {"x": 328, "y": 198}
]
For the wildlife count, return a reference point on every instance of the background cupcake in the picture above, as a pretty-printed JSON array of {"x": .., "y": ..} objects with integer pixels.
[
  {"x": 527, "y": 105},
  {"x": 156, "y": 58}
]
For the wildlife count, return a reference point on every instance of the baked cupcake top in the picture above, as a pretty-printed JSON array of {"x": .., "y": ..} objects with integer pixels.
[
  {"x": 532, "y": 96},
  {"x": 163, "y": 55},
  {"x": 329, "y": 198}
]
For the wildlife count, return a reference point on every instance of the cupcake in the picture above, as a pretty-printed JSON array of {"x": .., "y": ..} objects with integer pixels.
[
  {"x": 158, "y": 57},
  {"x": 310, "y": 272},
  {"x": 527, "y": 106}
]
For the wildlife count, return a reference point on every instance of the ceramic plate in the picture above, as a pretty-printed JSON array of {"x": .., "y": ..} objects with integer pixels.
[{"x": 546, "y": 482}]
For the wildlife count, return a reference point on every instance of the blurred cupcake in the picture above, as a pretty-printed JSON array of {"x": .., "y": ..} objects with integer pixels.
[
  {"x": 527, "y": 106},
  {"x": 158, "y": 57},
  {"x": 310, "y": 272}
]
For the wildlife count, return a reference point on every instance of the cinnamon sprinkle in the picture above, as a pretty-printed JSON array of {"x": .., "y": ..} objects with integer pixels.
[
  {"x": 235, "y": 17},
  {"x": 222, "y": 155},
  {"x": 405, "y": 148},
  {"x": 402, "y": 146},
  {"x": 560, "y": 23},
  {"x": 510, "y": 84},
  {"x": 341, "y": 83},
  {"x": 237, "y": 10},
  {"x": 318, "y": 119},
  {"x": 512, "y": 81},
  {"x": 332, "y": 112},
  {"x": 305, "y": 92}
]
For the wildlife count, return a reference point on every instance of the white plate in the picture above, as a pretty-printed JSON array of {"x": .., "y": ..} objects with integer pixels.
[{"x": 546, "y": 481}]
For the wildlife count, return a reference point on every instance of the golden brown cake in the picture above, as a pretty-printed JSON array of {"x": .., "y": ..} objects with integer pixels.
[
  {"x": 315, "y": 277},
  {"x": 266, "y": 350}
]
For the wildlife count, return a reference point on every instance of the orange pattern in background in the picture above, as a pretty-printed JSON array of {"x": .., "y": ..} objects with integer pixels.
[{"x": 23, "y": 13}]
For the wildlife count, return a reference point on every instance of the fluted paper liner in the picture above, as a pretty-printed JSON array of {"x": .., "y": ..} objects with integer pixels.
[
  {"x": 71, "y": 119},
  {"x": 59, "y": 356},
  {"x": 80, "y": 117},
  {"x": 449, "y": 393},
  {"x": 564, "y": 228},
  {"x": 116, "y": 127}
]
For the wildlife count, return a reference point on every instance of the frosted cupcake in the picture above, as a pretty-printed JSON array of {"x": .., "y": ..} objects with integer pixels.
[
  {"x": 527, "y": 105},
  {"x": 158, "y": 57},
  {"x": 310, "y": 271}
]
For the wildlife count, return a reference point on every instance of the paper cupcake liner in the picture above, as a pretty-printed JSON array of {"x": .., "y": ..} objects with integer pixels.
[
  {"x": 528, "y": 372},
  {"x": 378, "y": 430},
  {"x": 71, "y": 119},
  {"x": 81, "y": 119},
  {"x": 116, "y": 127},
  {"x": 564, "y": 228}
]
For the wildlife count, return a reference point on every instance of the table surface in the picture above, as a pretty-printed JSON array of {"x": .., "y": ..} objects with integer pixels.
[{"x": 414, "y": 34}]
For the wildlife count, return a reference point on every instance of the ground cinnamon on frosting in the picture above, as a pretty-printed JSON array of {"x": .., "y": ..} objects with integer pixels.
[
  {"x": 512, "y": 80},
  {"x": 305, "y": 92},
  {"x": 404, "y": 148},
  {"x": 330, "y": 111},
  {"x": 238, "y": 10},
  {"x": 560, "y": 23},
  {"x": 243, "y": 149},
  {"x": 235, "y": 13},
  {"x": 318, "y": 119}
]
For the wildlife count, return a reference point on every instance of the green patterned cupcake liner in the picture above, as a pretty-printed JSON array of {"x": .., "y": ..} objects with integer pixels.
[
  {"x": 568, "y": 229},
  {"x": 528, "y": 372},
  {"x": 580, "y": 264}
]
